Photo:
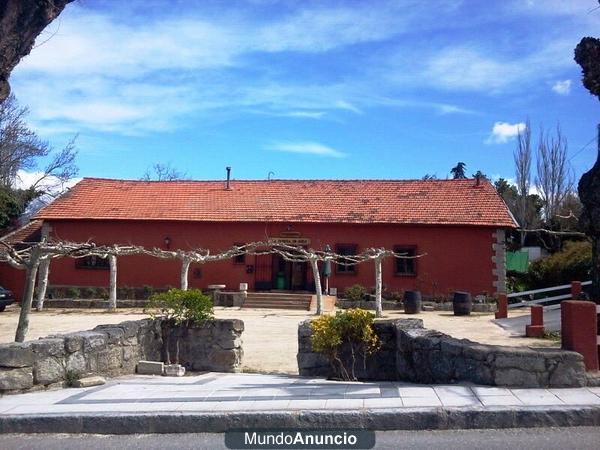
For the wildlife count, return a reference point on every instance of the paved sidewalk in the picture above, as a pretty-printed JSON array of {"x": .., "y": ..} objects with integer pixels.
[{"x": 268, "y": 400}]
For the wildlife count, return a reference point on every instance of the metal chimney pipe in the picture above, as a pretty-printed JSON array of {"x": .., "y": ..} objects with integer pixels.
[{"x": 228, "y": 187}]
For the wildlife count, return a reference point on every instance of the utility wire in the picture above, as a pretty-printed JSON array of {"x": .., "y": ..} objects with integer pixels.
[{"x": 583, "y": 148}]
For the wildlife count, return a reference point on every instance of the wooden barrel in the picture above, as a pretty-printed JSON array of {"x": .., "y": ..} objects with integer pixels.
[
  {"x": 412, "y": 302},
  {"x": 462, "y": 303}
]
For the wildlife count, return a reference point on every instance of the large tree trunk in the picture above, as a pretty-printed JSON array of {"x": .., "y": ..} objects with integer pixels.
[
  {"x": 21, "y": 21},
  {"x": 112, "y": 292},
  {"x": 185, "y": 267},
  {"x": 378, "y": 285},
  {"x": 318, "y": 291},
  {"x": 42, "y": 282},
  {"x": 589, "y": 194},
  {"x": 32, "y": 268}
]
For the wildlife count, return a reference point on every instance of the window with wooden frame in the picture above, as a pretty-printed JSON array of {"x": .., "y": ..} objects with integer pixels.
[
  {"x": 239, "y": 259},
  {"x": 92, "y": 262},
  {"x": 405, "y": 266},
  {"x": 345, "y": 267}
]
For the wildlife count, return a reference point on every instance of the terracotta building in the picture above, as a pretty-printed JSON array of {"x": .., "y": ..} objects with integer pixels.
[{"x": 458, "y": 224}]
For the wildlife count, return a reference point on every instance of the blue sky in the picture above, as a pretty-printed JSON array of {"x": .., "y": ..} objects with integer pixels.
[{"x": 323, "y": 89}]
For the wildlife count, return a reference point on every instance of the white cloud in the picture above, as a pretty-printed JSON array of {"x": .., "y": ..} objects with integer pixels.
[
  {"x": 502, "y": 132},
  {"x": 51, "y": 184},
  {"x": 309, "y": 148},
  {"x": 562, "y": 87}
]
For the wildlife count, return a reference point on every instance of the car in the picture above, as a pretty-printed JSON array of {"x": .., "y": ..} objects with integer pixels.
[{"x": 6, "y": 298}]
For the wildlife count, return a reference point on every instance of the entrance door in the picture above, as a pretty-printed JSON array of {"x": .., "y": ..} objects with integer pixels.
[{"x": 288, "y": 275}]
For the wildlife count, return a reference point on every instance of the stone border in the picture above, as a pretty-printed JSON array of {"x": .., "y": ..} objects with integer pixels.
[
  {"x": 115, "y": 349},
  {"x": 380, "y": 419},
  {"x": 398, "y": 306},
  {"x": 412, "y": 353}
]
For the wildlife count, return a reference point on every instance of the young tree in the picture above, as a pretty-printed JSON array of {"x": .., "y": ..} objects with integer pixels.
[
  {"x": 522, "y": 158},
  {"x": 458, "y": 172},
  {"x": 554, "y": 178}
]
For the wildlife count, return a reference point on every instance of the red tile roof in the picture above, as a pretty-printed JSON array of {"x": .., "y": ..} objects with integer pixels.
[
  {"x": 439, "y": 202},
  {"x": 30, "y": 232}
]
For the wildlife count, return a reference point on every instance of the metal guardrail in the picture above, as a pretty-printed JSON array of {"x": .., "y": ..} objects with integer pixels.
[{"x": 543, "y": 300}]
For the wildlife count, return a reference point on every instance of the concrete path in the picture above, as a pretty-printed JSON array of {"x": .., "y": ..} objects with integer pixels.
[
  {"x": 516, "y": 325},
  {"x": 216, "y": 402}
]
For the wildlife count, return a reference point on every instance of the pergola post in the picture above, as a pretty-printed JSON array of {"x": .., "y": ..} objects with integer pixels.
[
  {"x": 112, "y": 291},
  {"x": 32, "y": 268},
  {"x": 378, "y": 284},
  {"x": 42, "y": 286},
  {"x": 185, "y": 267},
  {"x": 317, "y": 277}
]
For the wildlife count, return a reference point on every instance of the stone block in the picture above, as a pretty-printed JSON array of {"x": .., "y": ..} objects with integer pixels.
[
  {"x": 150, "y": 368},
  {"x": 131, "y": 353},
  {"x": 114, "y": 334},
  {"x": 73, "y": 342},
  {"x": 568, "y": 375},
  {"x": 222, "y": 360},
  {"x": 48, "y": 370},
  {"x": 110, "y": 359},
  {"x": 522, "y": 359},
  {"x": 75, "y": 363},
  {"x": 89, "y": 382},
  {"x": 16, "y": 379},
  {"x": 48, "y": 347},
  {"x": 228, "y": 343},
  {"x": 93, "y": 340},
  {"x": 307, "y": 360},
  {"x": 17, "y": 354},
  {"x": 131, "y": 327},
  {"x": 515, "y": 378}
]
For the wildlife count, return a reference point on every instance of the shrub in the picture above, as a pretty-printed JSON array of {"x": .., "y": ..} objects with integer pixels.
[
  {"x": 572, "y": 263},
  {"x": 102, "y": 293},
  {"x": 147, "y": 291},
  {"x": 72, "y": 292},
  {"x": 88, "y": 292},
  {"x": 343, "y": 337},
  {"x": 355, "y": 293},
  {"x": 180, "y": 307}
]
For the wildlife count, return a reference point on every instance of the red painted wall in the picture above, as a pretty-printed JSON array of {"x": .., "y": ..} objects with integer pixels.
[
  {"x": 13, "y": 279},
  {"x": 458, "y": 258}
]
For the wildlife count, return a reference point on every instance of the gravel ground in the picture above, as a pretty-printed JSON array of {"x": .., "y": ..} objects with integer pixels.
[{"x": 270, "y": 338}]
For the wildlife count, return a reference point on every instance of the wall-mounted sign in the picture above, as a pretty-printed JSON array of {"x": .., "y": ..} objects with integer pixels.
[{"x": 295, "y": 241}]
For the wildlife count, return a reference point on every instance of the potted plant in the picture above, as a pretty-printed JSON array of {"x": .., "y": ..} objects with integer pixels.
[{"x": 179, "y": 310}]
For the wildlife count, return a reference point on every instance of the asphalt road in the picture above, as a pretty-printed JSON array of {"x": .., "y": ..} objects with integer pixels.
[{"x": 529, "y": 438}]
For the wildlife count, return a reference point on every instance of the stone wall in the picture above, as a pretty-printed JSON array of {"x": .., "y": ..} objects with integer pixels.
[
  {"x": 108, "y": 350},
  {"x": 428, "y": 356},
  {"x": 389, "y": 305},
  {"x": 112, "y": 350},
  {"x": 214, "y": 346}
]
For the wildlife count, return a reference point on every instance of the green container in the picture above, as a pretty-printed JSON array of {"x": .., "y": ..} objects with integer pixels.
[{"x": 280, "y": 281}]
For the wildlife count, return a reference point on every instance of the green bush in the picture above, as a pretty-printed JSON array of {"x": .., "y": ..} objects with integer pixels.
[
  {"x": 147, "y": 291},
  {"x": 343, "y": 337},
  {"x": 179, "y": 307},
  {"x": 102, "y": 293},
  {"x": 355, "y": 293},
  {"x": 88, "y": 292},
  {"x": 72, "y": 292},
  {"x": 572, "y": 263}
]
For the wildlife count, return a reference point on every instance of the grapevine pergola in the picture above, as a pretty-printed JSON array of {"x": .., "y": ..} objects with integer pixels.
[{"x": 36, "y": 257}]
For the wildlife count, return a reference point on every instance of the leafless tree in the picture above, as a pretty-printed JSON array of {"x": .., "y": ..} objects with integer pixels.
[
  {"x": 522, "y": 158},
  {"x": 554, "y": 179},
  {"x": 162, "y": 172}
]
